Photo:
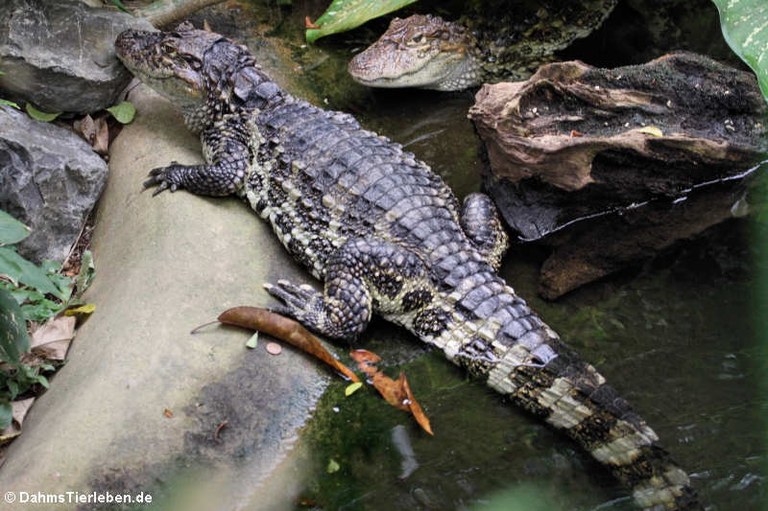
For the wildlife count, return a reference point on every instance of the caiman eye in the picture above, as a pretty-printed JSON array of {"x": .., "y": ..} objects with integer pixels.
[
  {"x": 168, "y": 47},
  {"x": 418, "y": 39}
]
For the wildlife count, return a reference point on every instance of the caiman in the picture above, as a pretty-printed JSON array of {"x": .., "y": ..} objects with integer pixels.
[
  {"x": 428, "y": 52},
  {"x": 388, "y": 237}
]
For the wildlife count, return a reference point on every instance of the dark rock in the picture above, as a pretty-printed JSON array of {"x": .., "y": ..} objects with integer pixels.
[
  {"x": 50, "y": 179},
  {"x": 60, "y": 55},
  {"x": 574, "y": 143}
]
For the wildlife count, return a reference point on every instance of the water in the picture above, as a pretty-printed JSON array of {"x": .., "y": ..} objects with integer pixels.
[{"x": 682, "y": 337}]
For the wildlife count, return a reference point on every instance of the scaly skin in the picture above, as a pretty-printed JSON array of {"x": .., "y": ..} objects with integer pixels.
[
  {"x": 387, "y": 237},
  {"x": 429, "y": 52}
]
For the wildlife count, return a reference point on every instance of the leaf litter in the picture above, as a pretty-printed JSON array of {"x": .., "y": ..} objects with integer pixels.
[{"x": 397, "y": 392}]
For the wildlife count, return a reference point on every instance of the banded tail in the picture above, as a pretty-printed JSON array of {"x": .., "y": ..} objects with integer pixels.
[{"x": 495, "y": 335}]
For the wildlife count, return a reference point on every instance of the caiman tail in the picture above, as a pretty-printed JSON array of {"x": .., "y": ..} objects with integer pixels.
[{"x": 495, "y": 335}]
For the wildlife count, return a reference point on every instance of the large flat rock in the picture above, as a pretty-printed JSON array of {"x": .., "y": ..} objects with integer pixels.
[{"x": 165, "y": 265}]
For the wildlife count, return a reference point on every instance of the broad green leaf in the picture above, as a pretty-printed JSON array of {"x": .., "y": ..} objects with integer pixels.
[
  {"x": 19, "y": 269},
  {"x": 352, "y": 388},
  {"x": 13, "y": 330},
  {"x": 39, "y": 115},
  {"x": 745, "y": 28},
  {"x": 9, "y": 103},
  {"x": 343, "y": 15},
  {"x": 6, "y": 414},
  {"x": 11, "y": 230},
  {"x": 124, "y": 112}
]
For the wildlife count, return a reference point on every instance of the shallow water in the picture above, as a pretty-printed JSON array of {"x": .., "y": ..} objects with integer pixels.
[{"x": 681, "y": 337}]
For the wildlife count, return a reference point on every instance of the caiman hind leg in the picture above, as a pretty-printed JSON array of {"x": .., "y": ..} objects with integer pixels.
[
  {"x": 363, "y": 276},
  {"x": 482, "y": 225},
  {"x": 226, "y": 149}
]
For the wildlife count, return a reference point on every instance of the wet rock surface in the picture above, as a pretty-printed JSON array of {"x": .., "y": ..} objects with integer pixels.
[
  {"x": 50, "y": 179},
  {"x": 143, "y": 405},
  {"x": 576, "y": 142},
  {"x": 59, "y": 55}
]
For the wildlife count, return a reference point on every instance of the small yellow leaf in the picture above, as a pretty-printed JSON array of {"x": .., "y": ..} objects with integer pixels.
[
  {"x": 651, "y": 130},
  {"x": 88, "y": 308},
  {"x": 352, "y": 388},
  {"x": 333, "y": 466}
]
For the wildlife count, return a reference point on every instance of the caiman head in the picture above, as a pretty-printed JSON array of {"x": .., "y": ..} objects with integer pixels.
[
  {"x": 169, "y": 62},
  {"x": 419, "y": 51},
  {"x": 203, "y": 73}
]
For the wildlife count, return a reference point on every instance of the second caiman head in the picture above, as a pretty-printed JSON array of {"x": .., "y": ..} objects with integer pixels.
[{"x": 419, "y": 51}]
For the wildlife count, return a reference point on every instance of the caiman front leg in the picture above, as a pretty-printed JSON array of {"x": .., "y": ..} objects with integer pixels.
[
  {"x": 363, "y": 276},
  {"x": 227, "y": 153},
  {"x": 483, "y": 226}
]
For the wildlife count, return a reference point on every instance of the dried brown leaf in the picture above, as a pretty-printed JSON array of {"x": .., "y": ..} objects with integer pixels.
[
  {"x": 415, "y": 408},
  {"x": 395, "y": 392},
  {"x": 86, "y": 128},
  {"x": 285, "y": 329},
  {"x": 20, "y": 409},
  {"x": 101, "y": 139},
  {"x": 52, "y": 339}
]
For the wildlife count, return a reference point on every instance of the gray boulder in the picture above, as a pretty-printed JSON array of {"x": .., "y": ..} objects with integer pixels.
[
  {"x": 50, "y": 179},
  {"x": 60, "y": 56}
]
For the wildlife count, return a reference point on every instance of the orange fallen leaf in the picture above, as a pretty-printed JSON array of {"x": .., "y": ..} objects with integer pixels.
[
  {"x": 395, "y": 392},
  {"x": 308, "y": 24},
  {"x": 168, "y": 413},
  {"x": 285, "y": 329}
]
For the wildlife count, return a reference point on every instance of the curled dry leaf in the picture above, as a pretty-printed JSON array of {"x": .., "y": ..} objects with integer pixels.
[
  {"x": 52, "y": 339},
  {"x": 285, "y": 329},
  {"x": 395, "y": 392},
  {"x": 20, "y": 409}
]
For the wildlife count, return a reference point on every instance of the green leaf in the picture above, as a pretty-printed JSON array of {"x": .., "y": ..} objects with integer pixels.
[
  {"x": 124, "y": 112},
  {"x": 39, "y": 114},
  {"x": 352, "y": 388},
  {"x": 42, "y": 380},
  {"x": 11, "y": 230},
  {"x": 87, "y": 272},
  {"x": 6, "y": 414},
  {"x": 13, "y": 387},
  {"x": 343, "y": 15},
  {"x": 253, "y": 341},
  {"x": 333, "y": 466},
  {"x": 19, "y": 269},
  {"x": 745, "y": 28},
  {"x": 120, "y": 5},
  {"x": 9, "y": 103},
  {"x": 13, "y": 329}
]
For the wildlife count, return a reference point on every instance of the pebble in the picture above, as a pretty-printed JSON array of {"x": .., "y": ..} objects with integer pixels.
[{"x": 274, "y": 349}]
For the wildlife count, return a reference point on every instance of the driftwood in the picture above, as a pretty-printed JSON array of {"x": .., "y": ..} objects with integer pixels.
[{"x": 575, "y": 142}]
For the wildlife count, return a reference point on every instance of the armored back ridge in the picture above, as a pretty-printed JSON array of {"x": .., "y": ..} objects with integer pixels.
[{"x": 387, "y": 237}]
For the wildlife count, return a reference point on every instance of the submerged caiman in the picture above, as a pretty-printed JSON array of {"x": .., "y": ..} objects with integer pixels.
[
  {"x": 387, "y": 237},
  {"x": 507, "y": 43}
]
